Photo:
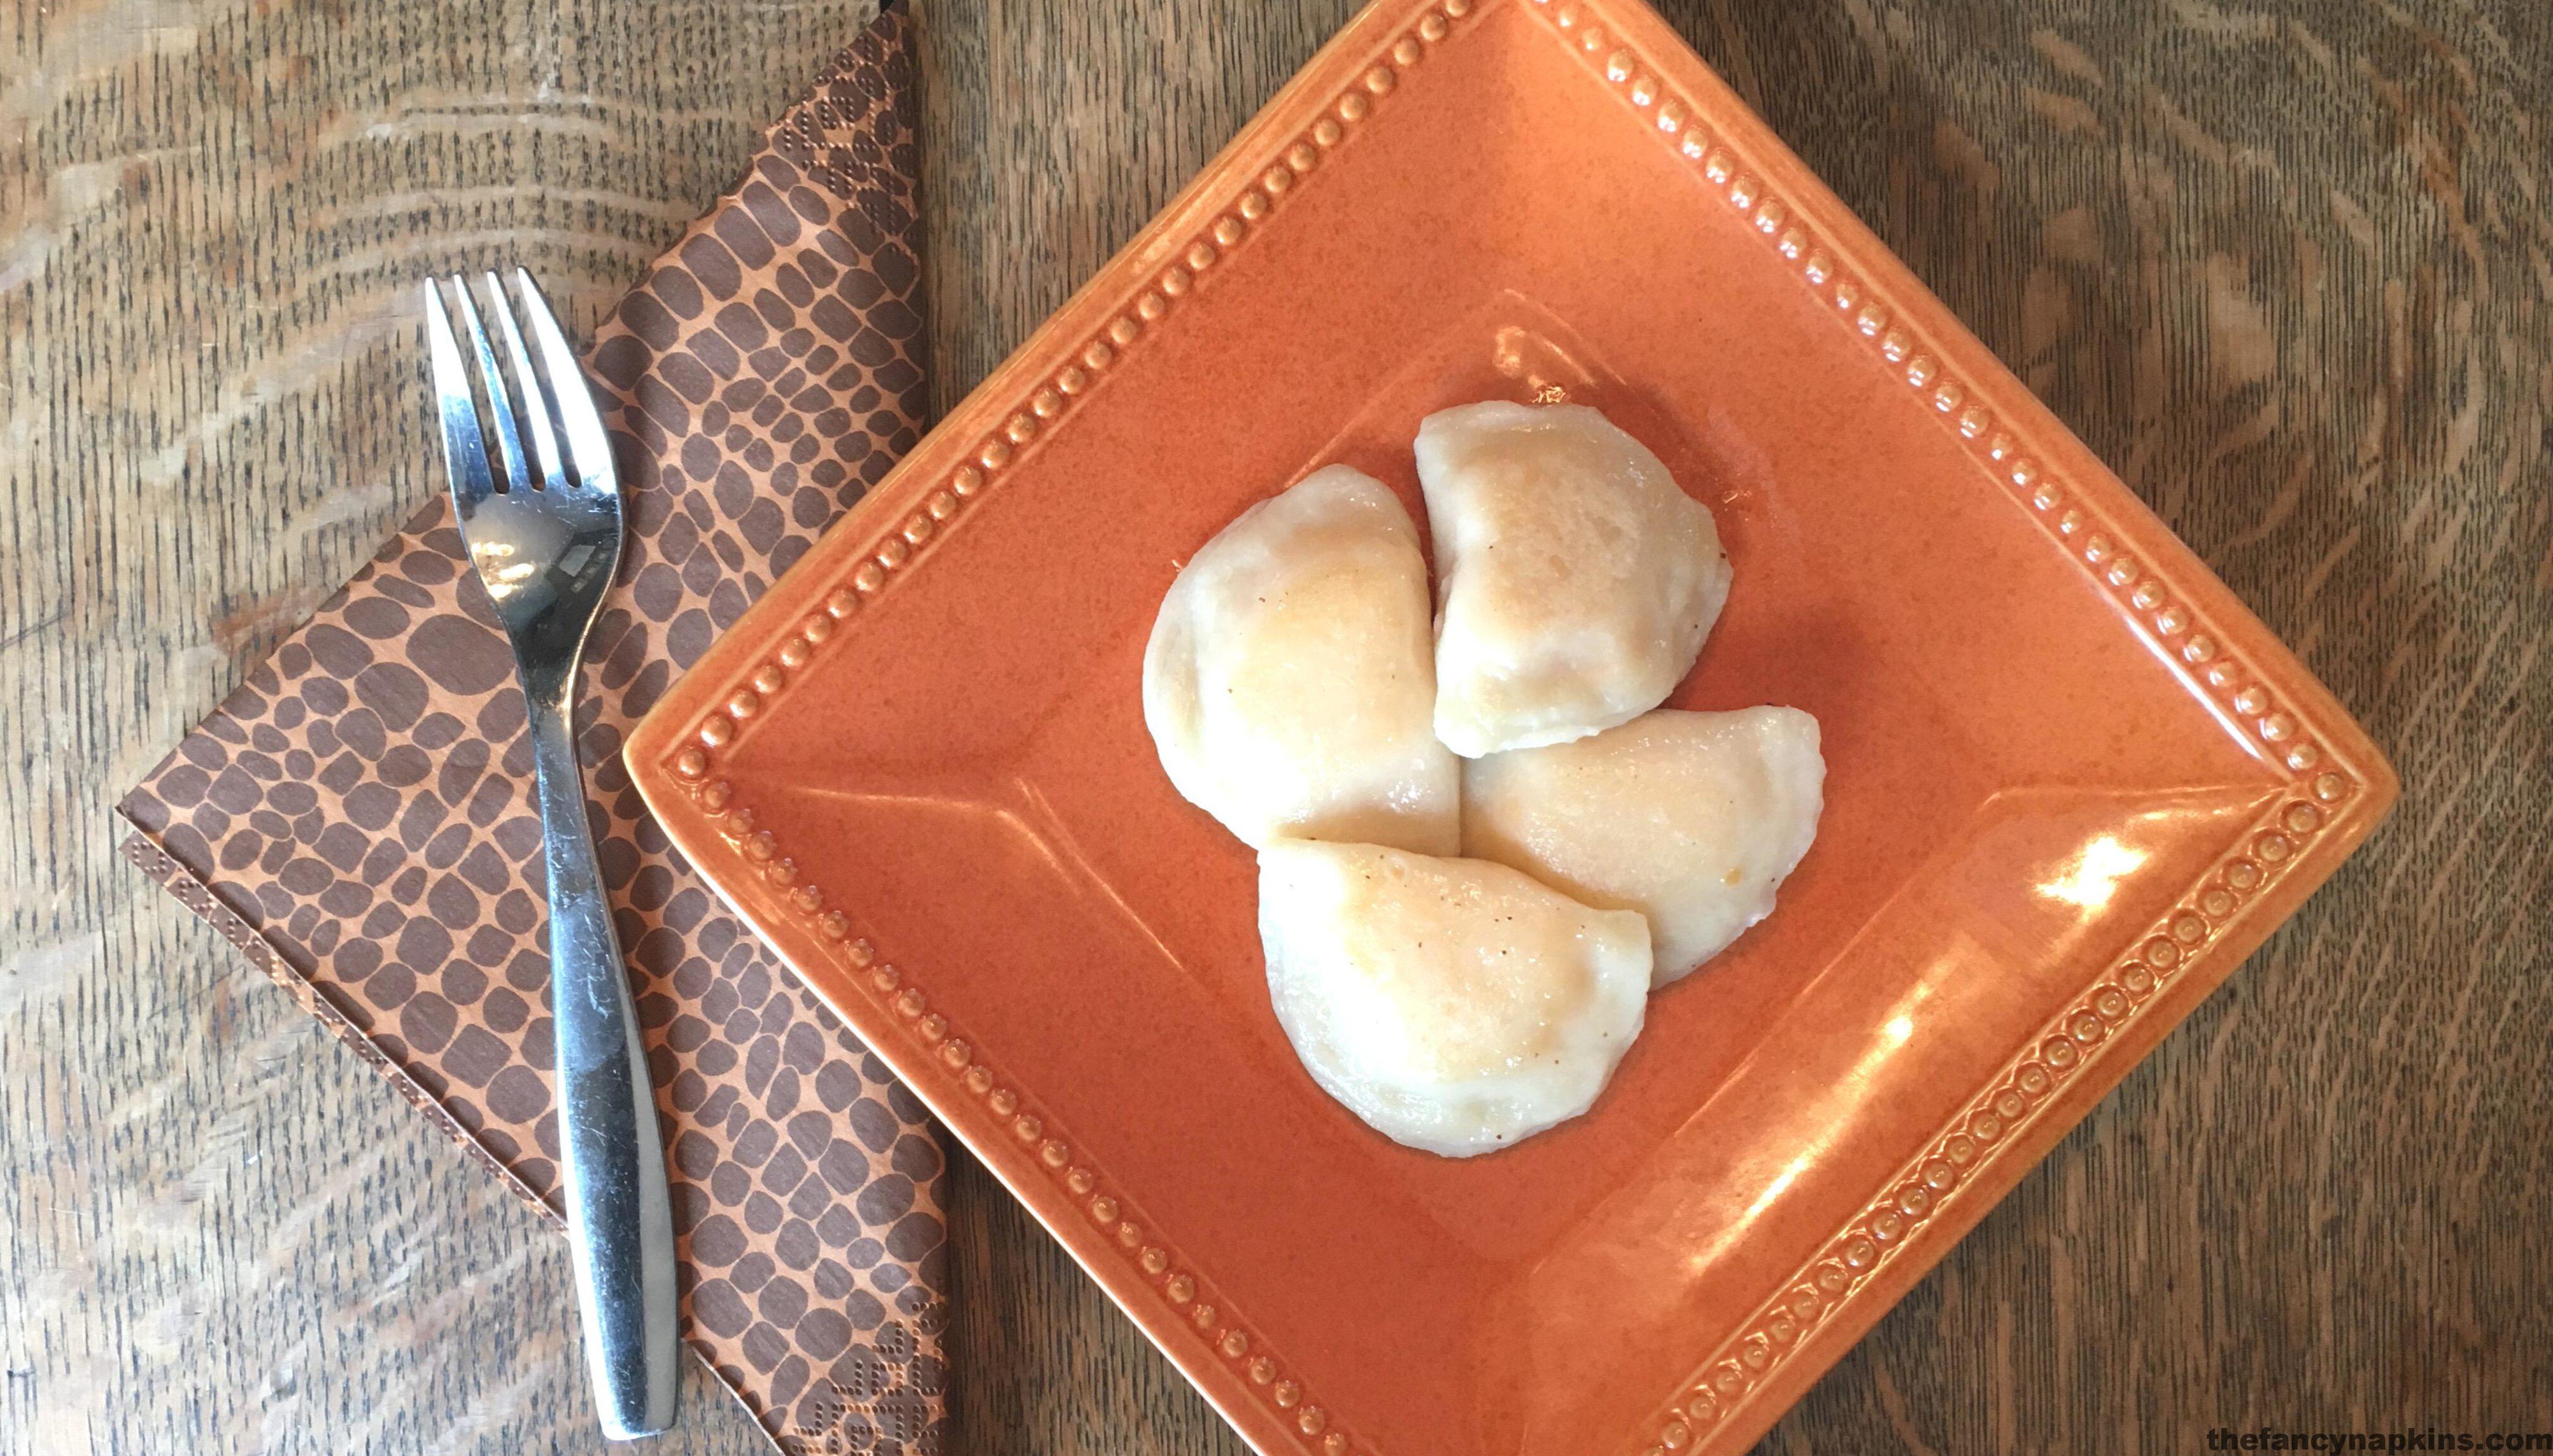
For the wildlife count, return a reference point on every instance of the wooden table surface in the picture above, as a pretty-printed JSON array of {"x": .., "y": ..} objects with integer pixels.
[{"x": 2284, "y": 263}]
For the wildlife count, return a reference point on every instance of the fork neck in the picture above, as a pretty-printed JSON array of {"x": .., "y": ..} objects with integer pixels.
[
  {"x": 558, "y": 779},
  {"x": 548, "y": 688}
]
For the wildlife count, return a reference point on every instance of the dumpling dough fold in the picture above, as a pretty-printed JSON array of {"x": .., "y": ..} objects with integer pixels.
[
  {"x": 1288, "y": 684},
  {"x": 1692, "y": 819},
  {"x": 1455, "y": 1006},
  {"x": 1575, "y": 580}
]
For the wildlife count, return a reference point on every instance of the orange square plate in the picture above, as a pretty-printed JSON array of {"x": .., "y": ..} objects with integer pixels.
[{"x": 2070, "y": 781}]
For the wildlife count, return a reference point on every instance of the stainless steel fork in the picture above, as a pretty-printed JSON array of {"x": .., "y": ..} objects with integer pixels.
[{"x": 545, "y": 547}]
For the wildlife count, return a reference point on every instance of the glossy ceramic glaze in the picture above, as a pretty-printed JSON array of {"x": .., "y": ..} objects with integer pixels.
[{"x": 2070, "y": 782}]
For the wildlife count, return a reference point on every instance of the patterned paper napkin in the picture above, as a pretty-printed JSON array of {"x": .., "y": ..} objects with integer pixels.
[{"x": 358, "y": 817}]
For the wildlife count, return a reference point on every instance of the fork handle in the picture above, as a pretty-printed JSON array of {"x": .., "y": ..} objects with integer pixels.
[{"x": 620, "y": 1225}]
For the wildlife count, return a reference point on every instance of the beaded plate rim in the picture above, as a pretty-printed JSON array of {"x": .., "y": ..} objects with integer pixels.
[{"x": 2335, "y": 785}]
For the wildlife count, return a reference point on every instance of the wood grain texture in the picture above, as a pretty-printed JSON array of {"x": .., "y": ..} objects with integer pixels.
[{"x": 2286, "y": 263}]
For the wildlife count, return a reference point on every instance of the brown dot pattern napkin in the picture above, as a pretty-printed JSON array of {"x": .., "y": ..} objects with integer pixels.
[{"x": 358, "y": 817}]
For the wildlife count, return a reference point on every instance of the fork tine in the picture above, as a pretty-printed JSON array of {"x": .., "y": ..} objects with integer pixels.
[
  {"x": 465, "y": 453},
  {"x": 587, "y": 447},
  {"x": 527, "y": 383},
  {"x": 519, "y": 475}
]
